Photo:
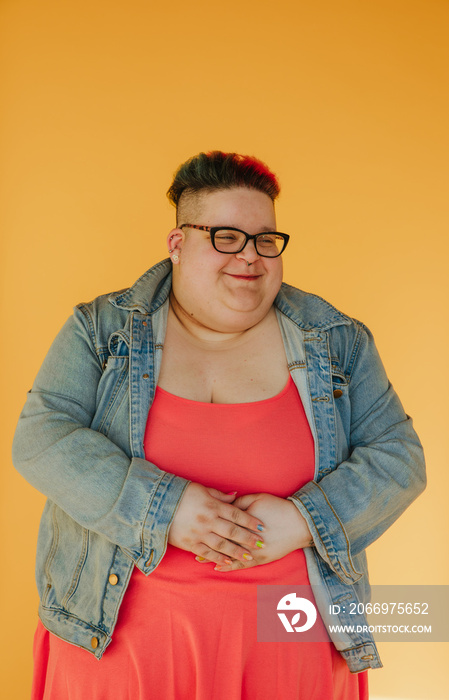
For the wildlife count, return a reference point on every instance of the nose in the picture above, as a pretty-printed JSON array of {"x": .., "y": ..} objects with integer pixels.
[{"x": 249, "y": 253}]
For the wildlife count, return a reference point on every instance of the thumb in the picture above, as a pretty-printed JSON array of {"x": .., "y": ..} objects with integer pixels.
[
  {"x": 225, "y": 497},
  {"x": 244, "y": 502}
]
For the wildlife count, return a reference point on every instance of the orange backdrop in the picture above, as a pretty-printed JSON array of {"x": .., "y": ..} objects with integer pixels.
[{"x": 347, "y": 102}]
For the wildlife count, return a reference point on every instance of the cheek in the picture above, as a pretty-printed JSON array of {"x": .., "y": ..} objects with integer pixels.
[{"x": 275, "y": 273}]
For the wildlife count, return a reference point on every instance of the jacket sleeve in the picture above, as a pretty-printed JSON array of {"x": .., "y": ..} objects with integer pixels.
[
  {"x": 80, "y": 469},
  {"x": 353, "y": 505}
]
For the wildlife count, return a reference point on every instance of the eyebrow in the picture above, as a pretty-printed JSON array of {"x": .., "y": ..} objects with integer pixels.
[{"x": 264, "y": 229}]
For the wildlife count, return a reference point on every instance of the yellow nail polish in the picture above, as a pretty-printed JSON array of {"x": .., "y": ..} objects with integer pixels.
[
  {"x": 248, "y": 557},
  {"x": 200, "y": 558}
]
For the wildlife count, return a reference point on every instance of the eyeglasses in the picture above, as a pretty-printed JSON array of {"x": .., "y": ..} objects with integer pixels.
[{"x": 231, "y": 240}]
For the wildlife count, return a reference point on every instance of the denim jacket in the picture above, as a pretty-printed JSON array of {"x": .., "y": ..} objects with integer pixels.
[{"x": 80, "y": 442}]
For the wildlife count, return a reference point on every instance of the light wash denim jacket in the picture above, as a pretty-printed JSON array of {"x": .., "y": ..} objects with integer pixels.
[{"x": 80, "y": 442}]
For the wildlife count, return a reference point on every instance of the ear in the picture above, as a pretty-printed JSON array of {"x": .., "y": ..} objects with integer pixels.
[{"x": 175, "y": 240}]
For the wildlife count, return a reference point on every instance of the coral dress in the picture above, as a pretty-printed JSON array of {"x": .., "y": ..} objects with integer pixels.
[{"x": 187, "y": 632}]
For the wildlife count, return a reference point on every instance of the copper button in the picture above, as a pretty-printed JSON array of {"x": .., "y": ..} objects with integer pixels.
[
  {"x": 337, "y": 393},
  {"x": 94, "y": 642},
  {"x": 145, "y": 376},
  {"x": 113, "y": 579},
  {"x": 144, "y": 323}
]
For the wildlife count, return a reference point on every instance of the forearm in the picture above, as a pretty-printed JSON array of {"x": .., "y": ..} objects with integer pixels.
[
  {"x": 94, "y": 481},
  {"x": 353, "y": 505}
]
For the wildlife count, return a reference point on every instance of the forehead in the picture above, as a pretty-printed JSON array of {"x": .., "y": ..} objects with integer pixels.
[{"x": 240, "y": 207}]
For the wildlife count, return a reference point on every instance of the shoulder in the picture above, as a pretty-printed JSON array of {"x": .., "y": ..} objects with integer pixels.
[
  {"x": 310, "y": 311},
  {"x": 313, "y": 314},
  {"x": 110, "y": 312}
]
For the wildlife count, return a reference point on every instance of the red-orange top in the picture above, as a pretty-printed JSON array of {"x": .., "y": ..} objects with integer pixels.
[{"x": 187, "y": 631}]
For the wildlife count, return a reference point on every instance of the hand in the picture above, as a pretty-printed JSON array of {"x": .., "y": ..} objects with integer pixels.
[
  {"x": 209, "y": 525},
  {"x": 285, "y": 529}
]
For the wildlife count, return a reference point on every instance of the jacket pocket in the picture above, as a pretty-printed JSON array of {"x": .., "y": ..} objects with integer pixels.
[
  {"x": 111, "y": 392},
  {"x": 65, "y": 560}
]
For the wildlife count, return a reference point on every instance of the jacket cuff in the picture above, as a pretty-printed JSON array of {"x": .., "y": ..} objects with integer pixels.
[
  {"x": 329, "y": 536},
  {"x": 164, "y": 501}
]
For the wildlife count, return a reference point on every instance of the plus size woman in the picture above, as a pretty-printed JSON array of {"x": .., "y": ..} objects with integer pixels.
[{"x": 207, "y": 431}]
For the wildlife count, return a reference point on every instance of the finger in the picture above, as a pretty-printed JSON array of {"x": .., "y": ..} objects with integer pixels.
[
  {"x": 240, "y": 517},
  {"x": 234, "y": 566},
  {"x": 244, "y": 502},
  {"x": 207, "y": 555},
  {"x": 225, "y": 497},
  {"x": 221, "y": 545},
  {"x": 238, "y": 535}
]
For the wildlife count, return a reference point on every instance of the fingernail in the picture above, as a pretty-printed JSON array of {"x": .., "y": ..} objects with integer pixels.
[
  {"x": 260, "y": 528},
  {"x": 217, "y": 568},
  {"x": 228, "y": 561},
  {"x": 248, "y": 557},
  {"x": 200, "y": 558},
  {"x": 260, "y": 544},
  {"x": 232, "y": 493}
]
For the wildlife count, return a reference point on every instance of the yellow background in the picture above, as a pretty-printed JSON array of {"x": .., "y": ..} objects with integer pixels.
[{"x": 346, "y": 101}]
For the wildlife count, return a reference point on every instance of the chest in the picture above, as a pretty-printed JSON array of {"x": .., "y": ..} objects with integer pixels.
[{"x": 253, "y": 370}]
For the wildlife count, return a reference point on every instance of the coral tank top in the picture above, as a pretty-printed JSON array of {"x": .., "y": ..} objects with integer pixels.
[{"x": 187, "y": 632}]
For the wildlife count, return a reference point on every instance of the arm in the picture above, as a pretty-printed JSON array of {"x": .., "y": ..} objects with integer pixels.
[
  {"x": 128, "y": 500},
  {"x": 80, "y": 469},
  {"x": 353, "y": 505}
]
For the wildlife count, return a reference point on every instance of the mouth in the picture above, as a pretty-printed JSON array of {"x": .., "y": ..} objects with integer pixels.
[{"x": 244, "y": 277}]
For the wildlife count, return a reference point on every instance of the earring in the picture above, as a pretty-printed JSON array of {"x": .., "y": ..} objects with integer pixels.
[
  {"x": 175, "y": 258},
  {"x": 171, "y": 251}
]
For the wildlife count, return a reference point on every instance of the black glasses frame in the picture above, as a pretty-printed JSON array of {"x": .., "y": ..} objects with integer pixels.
[{"x": 248, "y": 237}]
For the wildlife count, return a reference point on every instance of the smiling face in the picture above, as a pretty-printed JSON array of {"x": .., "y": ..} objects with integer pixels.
[{"x": 217, "y": 291}]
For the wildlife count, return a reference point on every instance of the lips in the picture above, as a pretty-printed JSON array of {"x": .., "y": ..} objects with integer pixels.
[{"x": 244, "y": 277}]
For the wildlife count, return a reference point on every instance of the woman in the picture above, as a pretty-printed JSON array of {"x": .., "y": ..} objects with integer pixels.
[{"x": 216, "y": 429}]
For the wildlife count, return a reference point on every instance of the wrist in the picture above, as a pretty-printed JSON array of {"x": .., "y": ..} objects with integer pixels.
[{"x": 303, "y": 534}]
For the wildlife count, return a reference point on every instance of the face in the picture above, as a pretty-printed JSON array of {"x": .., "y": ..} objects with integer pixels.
[{"x": 218, "y": 291}]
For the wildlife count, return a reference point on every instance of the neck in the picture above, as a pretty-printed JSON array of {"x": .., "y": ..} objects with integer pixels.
[{"x": 201, "y": 332}]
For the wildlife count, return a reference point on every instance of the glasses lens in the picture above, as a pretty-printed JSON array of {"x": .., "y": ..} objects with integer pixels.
[
  {"x": 229, "y": 241},
  {"x": 269, "y": 244}
]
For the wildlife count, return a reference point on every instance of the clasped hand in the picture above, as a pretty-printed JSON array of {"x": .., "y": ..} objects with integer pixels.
[{"x": 227, "y": 531}]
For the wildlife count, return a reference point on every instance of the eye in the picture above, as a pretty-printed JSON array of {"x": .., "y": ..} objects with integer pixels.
[
  {"x": 227, "y": 240},
  {"x": 267, "y": 240},
  {"x": 225, "y": 236}
]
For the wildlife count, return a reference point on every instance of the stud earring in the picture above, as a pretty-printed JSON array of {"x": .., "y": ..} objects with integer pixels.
[{"x": 175, "y": 258}]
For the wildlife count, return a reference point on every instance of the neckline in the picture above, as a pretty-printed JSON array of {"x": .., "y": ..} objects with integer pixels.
[{"x": 281, "y": 394}]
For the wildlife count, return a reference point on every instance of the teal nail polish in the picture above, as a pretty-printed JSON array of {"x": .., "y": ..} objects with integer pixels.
[{"x": 260, "y": 528}]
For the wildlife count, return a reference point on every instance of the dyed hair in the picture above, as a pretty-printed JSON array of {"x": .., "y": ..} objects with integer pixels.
[{"x": 215, "y": 170}]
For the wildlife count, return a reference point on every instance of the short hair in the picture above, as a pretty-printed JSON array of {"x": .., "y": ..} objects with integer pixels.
[{"x": 207, "y": 172}]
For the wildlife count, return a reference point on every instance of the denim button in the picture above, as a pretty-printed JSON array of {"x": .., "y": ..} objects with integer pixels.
[
  {"x": 94, "y": 642},
  {"x": 144, "y": 323},
  {"x": 113, "y": 579},
  {"x": 145, "y": 376},
  {"x": 337, "y": 393}
]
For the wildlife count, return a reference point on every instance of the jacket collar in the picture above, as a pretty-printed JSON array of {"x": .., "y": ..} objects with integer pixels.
[
  {"x": 148, "y": 293},
  {"x": 151, "y": 290},
  {"x": 309, "y": 311}
]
